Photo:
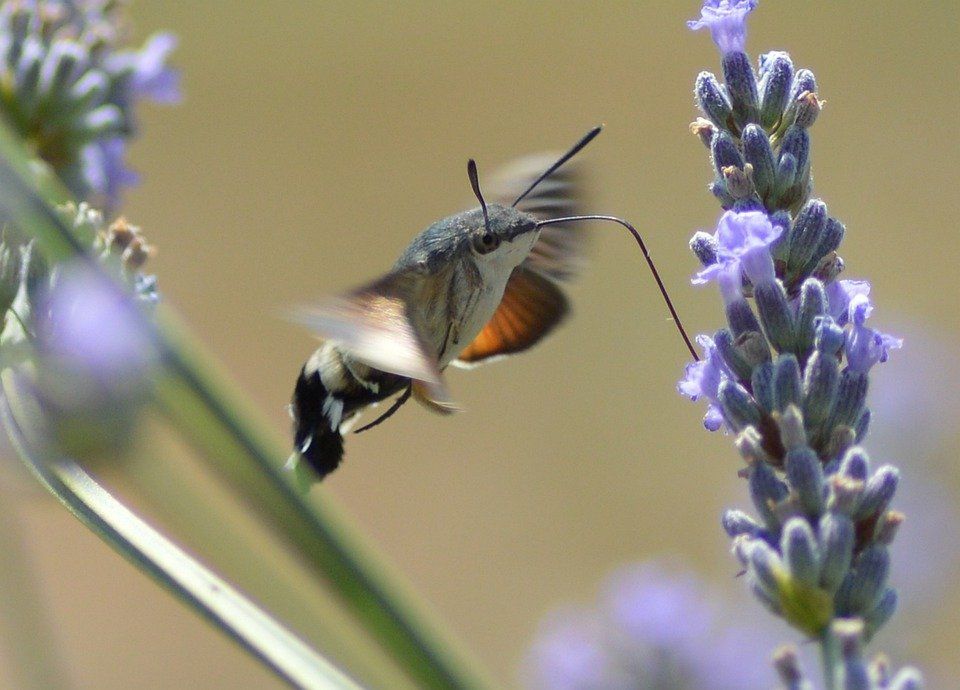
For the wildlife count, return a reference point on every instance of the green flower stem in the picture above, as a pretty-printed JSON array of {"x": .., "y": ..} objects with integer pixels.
[
  {"x": 830, "y": 658},
  {"x": 171, "y": 567},
  {"x": 216, "y": 418}
]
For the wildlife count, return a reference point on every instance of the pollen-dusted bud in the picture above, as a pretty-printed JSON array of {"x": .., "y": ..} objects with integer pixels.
[
  {"x": 786, "y": 662},
  {"x": 887, "y": 526},
  {"x": 736, "y": 522},
  {"x": 808, "y": 108},
  {"x": 844, "y": 495},
  {"x": 704, "y": 129},
  {"x": 836, "y": 535},
  {"x": 757, "y": 152},
  {"x": 742, "y": 87},
  {"x": 739, "y": 185},
  {"x": 803, "y": 82},
  {"x": 136, "y": 254},
  {"x": 120, "y": 234},
  {"x": 704, "y": 246},
  {"x": 775, "y": 315},
  {"x": 776, "y": 78},
  {"x": 799, "y": 549},
  {"x": 805, "y": 475},
  {"x": 713, "y": 100},
  {"x": 786, "y": 383}
]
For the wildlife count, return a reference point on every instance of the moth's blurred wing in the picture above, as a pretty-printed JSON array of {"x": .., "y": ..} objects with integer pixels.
[
  {"x": 373, "y": 325},
  {"x": 560, "y": 251},
  {"x": 531, "y": 307}
]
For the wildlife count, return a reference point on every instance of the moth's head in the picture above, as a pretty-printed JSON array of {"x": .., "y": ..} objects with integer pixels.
[{"x": 504, "y": 233}]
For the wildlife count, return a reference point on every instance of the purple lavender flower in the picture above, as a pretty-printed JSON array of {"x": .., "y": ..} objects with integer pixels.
[
  {"x": 149, "y": 75},
  {"x": 94, "y": 360},
  {"x": 864, "y": 346},
  {"x": 743, "y": 245},
  {"x": 104, "y": 167},
  {"x": 703, "y": 379},
  {"x": 727, "y": 21},
  {"x": 839, "y": 294},
  {"x": 655, "y": 627},
  {"x": 88, "y": 325}
]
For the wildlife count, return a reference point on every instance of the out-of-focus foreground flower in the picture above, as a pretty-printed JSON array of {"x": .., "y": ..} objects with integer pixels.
[{"x": 69, "y": 88}]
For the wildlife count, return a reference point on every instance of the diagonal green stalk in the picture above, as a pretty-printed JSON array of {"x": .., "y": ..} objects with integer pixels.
[
  {"x": 214, "y": 415},
  {"x": 830, "y": 658},
  {"x": 170, "y": 566}
]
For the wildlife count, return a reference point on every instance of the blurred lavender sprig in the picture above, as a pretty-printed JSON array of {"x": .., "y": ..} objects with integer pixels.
[
  {"x": 789, "y": 374},
  {"x": 69, "y": 87}
]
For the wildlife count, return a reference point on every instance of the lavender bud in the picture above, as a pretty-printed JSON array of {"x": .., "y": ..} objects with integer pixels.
[
  {"x": 725, "y": 153},
  {"x": 766, "y": 491},
  {"x": 881, "y": 613},
  {"x": 761, "y": 382},
  {"x": 776, "y": 78},
  {"x": 856, "y": 675},
  {"x": 741, "y": 318},
  {"x": 719, "y": 189},
  {"x": 713, "y": 100},
  {"x": 862, "y": 426},
  {"x": 907, "y": 679},
  {"x": 757, "y": 152},
  {"x": 787, "y": 166},
  {"x": 704, "y": 246},
  {"x": 855, "y": 465},
  {"x": 805, "y": 475},
  {"x": 821, "y": 380},
  {"x": 740, "y": 367},
  {"x": 808, "y": 108},
  {"x": 742, "y": 87},
  {"x": 775, "y": 315},
  {"x": 861, "y": 589},
  {"x": 736, "y": 522},
  {"x": 739, "y": 409},
  {"x": 829, "y": 268},
  {"x": 88, "y": 90},
  {"x": 786, "y": 383},
  {"x": 813, "y": 304},
  {"x": 803, "y": 82},
  {"x": 841, "y": 439},
  {"x": 836, "y": 536},
  {"x": 878, "y": 492},
  {"x": 806, "y": 234},
  {"x": 740, "y": 187},
  {"x": 753, "y": 347},
  {"x": 766, "y": 568},
  {"x": 750, "y": 446},
  {"x": 787, "y": 665},
  {"x": 887, "y": 526},
  {"x": 799, "y": 549},
  {"x": 830, "y": 337},
  {"x": 796, "y": 143},
  {"x": 830, "y": 239},
  {"x": 792, "y": 433},
  {"x": 60, "y": 67},
  {"x": 851, "y": 397}
]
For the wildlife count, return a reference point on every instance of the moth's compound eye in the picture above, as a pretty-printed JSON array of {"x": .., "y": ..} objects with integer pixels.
[{"x": 485, "y": 242}]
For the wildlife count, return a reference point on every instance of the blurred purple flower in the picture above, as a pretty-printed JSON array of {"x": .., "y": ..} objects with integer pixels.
[
  {"x": 727, "y": 21},
  {"x": 149, "y": 75},
  {"x": 743, "y": 244},
  {"x": 655, "y": 628},
  {"x": 104, "y": 167},
  {"x": 88, "y": 326},
  {"x": 703, "y": 379},
  {"x": 839, "y": 294}
]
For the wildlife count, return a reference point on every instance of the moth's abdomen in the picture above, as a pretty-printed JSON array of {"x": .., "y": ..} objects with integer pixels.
[{"x": 330, "y": 392}]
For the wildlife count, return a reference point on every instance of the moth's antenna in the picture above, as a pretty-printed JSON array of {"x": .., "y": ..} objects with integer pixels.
[
  {"x": 646, "y": 255},
  {"x": 574, "y": 150},
  {"x": 475, "y": 183}
]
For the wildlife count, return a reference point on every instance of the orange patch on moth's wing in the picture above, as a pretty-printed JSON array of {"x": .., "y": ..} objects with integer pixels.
[{"x": 531, "y": 307}]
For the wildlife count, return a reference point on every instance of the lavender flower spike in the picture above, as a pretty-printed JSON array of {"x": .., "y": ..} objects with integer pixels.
[{"x": 726, "y": 20}]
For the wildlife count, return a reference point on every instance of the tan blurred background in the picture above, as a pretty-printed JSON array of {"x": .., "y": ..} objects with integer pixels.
[{"x": 315, "y": 140}]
